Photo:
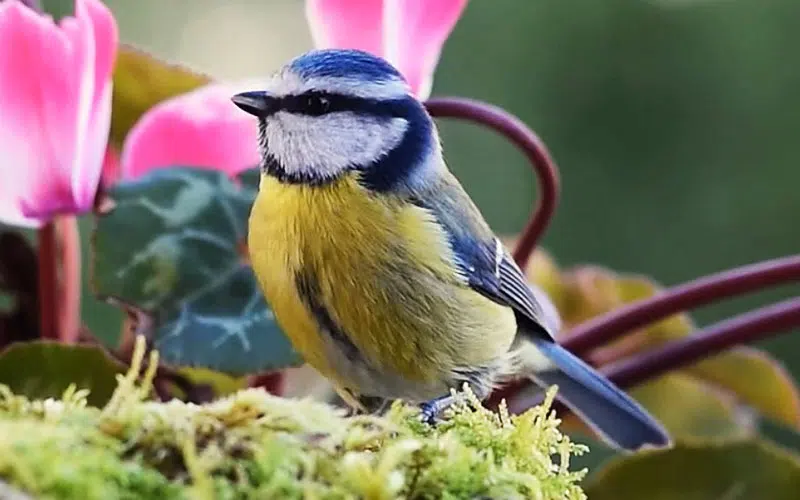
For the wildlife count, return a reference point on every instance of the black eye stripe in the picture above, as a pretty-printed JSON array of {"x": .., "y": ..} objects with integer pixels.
[{"x": 316, "y": 103}]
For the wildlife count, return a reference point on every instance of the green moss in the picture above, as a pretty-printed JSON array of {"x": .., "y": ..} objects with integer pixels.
[{"x": 253, "y": 445}]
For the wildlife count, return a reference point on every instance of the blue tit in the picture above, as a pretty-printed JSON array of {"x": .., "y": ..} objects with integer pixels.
[{"x": 378, "y": 265}]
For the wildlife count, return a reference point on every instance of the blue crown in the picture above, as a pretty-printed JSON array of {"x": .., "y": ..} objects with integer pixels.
[{"x": 343, "y": 63}]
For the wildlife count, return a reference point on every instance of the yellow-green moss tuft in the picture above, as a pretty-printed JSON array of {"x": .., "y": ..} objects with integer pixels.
[{"x": 253, "y": 445}]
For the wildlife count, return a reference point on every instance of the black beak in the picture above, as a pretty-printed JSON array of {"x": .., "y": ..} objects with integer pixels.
[{"x": 256, "y": 102}]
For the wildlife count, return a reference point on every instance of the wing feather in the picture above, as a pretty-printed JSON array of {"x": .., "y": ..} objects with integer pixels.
[{"x": 481, "y": 257}]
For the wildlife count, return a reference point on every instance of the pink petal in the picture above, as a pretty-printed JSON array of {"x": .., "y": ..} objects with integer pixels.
[
  {"x": 415, "y": 32},
  {"x": 35, "y": 141},
  {"x": 111, "y": 168},
  {"x": 87, "y": 173},
  {"x": 407, "y": 33},
  {"x": 47, "y": 96},
  {"x": 346, "y": 24},
  {"x": 202, "y": 128}
]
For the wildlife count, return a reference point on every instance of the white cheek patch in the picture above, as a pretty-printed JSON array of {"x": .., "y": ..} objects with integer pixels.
[{"x": 324, "y": 146}]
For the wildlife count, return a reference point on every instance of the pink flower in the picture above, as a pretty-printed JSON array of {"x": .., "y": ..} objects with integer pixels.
[
  {"x": 201, "y": 128},
  {"x": 55, "y": 109},
  {"x": 407, "y": 33},
  {"x": 111, "y": 169}
]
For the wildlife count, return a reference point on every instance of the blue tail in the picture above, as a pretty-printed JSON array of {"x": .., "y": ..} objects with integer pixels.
[{"x": 614, "y": 415}]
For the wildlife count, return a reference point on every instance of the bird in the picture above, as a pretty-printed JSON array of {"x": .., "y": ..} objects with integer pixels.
[{"x": 380, "y": 268}]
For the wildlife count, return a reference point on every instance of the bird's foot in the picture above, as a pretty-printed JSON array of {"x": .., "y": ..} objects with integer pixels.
[{"x": 430, "y": 410}]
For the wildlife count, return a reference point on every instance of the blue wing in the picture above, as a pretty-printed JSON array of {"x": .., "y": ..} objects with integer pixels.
[
  {"x": 490, "y": 271},
  {"x": 482, "y": 258}
]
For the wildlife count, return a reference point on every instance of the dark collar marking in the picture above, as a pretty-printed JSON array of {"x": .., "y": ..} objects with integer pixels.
[{"x": 310, "y": 294}]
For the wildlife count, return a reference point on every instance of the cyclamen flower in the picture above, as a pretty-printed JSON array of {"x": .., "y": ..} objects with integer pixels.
[
  {"x": 407, "y": 33},
  {"x": 201, "y": 128},
  {"x": 55, "y": 109}
]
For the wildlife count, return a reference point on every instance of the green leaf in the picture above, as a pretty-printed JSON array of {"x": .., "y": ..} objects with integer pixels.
[
  {"x": 45, "y": 369},
  {"x": 741, "y": 469},
  {"x": 690, "y": 408},
  {"x": 686, "y": 406},
  {"x": 142, "y": 81},
  {"x": 756, "y": 379},
  {"x": 171, "y": 245},
  {"x": 221, "y": 384}
]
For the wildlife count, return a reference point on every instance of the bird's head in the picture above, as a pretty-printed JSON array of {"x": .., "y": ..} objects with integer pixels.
[{"x": 330, "y": 112}]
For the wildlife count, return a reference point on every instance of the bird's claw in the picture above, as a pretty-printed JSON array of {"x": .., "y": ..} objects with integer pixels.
[{"x": 430, "y": 410}]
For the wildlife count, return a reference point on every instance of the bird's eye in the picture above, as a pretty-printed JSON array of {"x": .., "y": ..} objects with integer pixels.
[{"x": 317, "y": 105}]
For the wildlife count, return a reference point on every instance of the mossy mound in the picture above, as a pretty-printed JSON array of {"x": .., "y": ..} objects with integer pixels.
[{"x": 253, "y": 445}]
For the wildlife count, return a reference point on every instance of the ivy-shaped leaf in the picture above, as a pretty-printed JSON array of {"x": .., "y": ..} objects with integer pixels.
[{"x": 172, "y": 245}]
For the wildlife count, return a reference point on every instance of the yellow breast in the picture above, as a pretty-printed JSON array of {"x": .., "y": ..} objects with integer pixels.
[{"x": 385, "y": 276}]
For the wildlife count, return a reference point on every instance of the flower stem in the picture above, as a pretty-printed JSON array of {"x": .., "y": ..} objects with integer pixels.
[
  {"x": 597, "y": 331},
  {"x": 602, "y": 329},
  {"x": 273, "y": 382},
  {"x": 745, "y": 328},
  {"x": 525, "y": 139},
  {"x": 48, "y": 281},
  {"x": 69, "y": 298}
]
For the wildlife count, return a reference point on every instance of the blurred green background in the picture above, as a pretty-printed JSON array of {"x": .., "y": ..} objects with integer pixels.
[{"x": 674, "y": 122}]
